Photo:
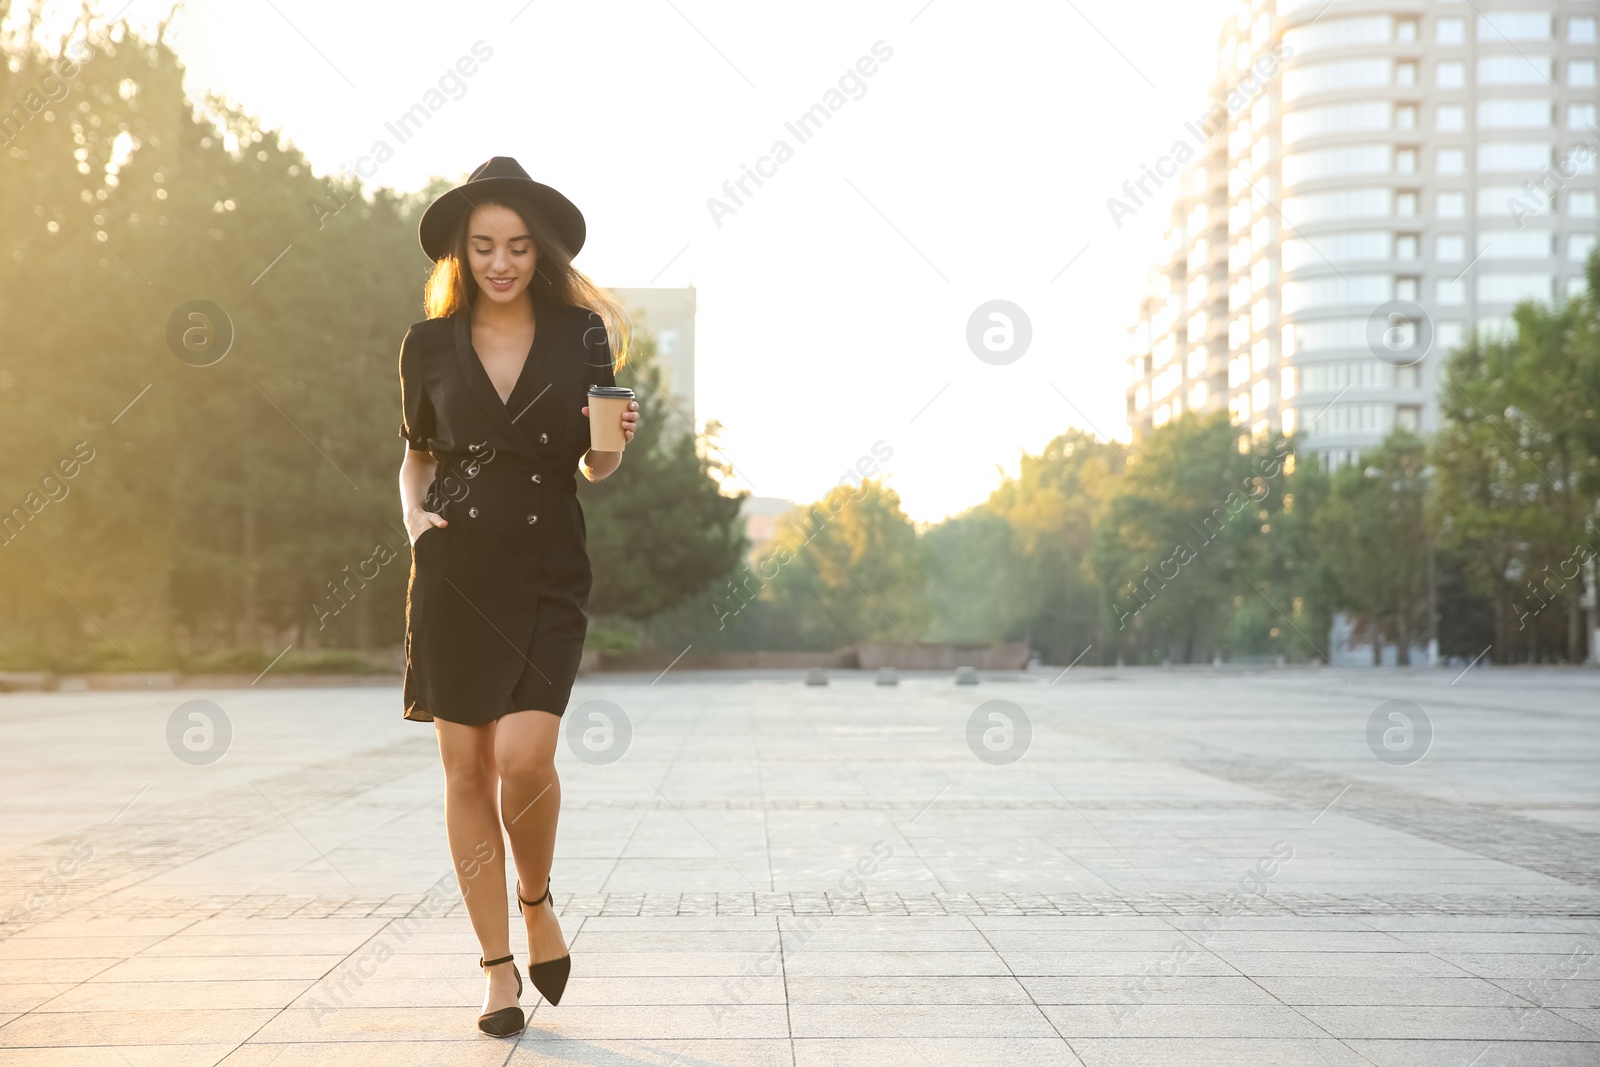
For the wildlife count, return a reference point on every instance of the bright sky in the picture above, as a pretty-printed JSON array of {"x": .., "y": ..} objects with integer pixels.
[{"x": 834, "y": 302}]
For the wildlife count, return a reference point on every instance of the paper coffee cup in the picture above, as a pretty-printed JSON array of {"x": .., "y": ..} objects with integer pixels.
[{"x": 606, "y": 405}]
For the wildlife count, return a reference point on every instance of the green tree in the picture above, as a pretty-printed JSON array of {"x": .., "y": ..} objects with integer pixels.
[
  {"x": 1186, "y": 527},
  {"x": 850, "y": 567},
  {"x": 1372, "y": 534},
  {"x": 660, "y": 528},
  {"x": 1014, "y": 567},
  {"x": 1518, "y": 478}
]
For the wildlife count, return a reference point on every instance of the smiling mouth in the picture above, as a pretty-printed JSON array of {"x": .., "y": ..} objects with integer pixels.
[{"x": 502, "y": 283}]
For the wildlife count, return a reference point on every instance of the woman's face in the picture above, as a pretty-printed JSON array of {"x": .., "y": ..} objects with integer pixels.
[{"x": 500, "y": 252}]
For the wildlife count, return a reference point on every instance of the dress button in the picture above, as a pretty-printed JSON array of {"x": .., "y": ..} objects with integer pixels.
[
  {"x": 472, "y": 513},
  {"x": 535, "y": 479},
  {"x": 544, "y": 439},
  {"x": 532, "y": 519}
]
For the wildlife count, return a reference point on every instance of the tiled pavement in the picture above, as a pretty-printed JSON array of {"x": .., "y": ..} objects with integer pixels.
[{"x": 1185, "y": 867}]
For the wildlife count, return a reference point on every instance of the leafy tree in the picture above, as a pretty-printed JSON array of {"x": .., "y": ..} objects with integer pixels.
[
  {"x": 1372, "y": 533},
  {"x": 1186, "y": 526},
  {"x": 1518, "y": 481},
  {"x": 660, "y": 528},
  {"x": 853, "y": 568}
]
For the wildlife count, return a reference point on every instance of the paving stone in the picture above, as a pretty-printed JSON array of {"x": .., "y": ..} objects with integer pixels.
[{"x": 865, "y": 894}]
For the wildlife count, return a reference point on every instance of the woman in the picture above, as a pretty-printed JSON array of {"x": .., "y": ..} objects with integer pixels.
[{"x": 493, "y": 386}]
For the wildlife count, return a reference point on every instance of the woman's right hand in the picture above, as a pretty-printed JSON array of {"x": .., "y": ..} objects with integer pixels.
[{"x": 418, "y": 521}]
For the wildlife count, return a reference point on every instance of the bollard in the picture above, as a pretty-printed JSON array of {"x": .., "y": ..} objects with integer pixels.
[
  {"x": 888, "y": 676},
  {"x": 966, "y": 676},
  {"x": 816, "y": 676}
]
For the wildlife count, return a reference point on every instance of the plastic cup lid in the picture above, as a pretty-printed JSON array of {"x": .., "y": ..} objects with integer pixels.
[{"x": 615, "y": 391}]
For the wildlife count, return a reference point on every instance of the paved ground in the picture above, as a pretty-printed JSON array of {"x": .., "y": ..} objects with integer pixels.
[{"x": 1183, "y": 866}]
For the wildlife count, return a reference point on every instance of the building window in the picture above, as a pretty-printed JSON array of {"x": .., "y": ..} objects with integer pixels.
[
  {"x": 1450, "y": 205},
  {"x": 1510, "y": 201},
  {"x": 1286, "y": 383},
  {"x": 1261, "y": 395},
  {"x": 1450, "y": 293},
  {"x": 1290, "y": 421},
  {"x": 1405, "y": 74},
  {"x": 1405, "y": 161},
  {"x": 1405, "y": 204},
  {"x": 1450, "y": 31},
  {"x": 1450, "y": 118},
  {"x": 1508, "y": 114},
  {"x": 1450, "y": 75},
  {"x": 1408, "y": 417},
  {"x": 1343, "y": 161},
  {"x": 1405, "y": 31},
  {"x": 1405, "y": 289},
  {"x": 1405, "y": 246},
  {"x": 1580, "y": 73},
  {"x": 1514, "y": 156},
  {"x": 1365, "y": 73},
  {"x": 1372, "y": 203},
  {"x": 1514, "y": 288},
  {"x": 1450, "y": 161},
  {"x": 1581, "y": 205},
  {"x": 1579, "y": 245},
  {"x": 1405, "y": 117},
  {"x": 1516, "y": 69},
  {"x": 1580, "y": 29},
  {"x": 1580, "y": 116},
  {"x": 1335, "y": 118},
  {"x": 1514, "y": 26},
  {"x": 1516, "y": 244},
  {"x": 1450, "y": 248}
]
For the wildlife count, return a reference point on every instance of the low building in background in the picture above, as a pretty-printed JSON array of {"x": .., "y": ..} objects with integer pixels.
[{"x": 667, "y": 316}]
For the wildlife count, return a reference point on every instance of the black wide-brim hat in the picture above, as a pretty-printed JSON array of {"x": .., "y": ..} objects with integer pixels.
[{"x": 500, "y": 176}]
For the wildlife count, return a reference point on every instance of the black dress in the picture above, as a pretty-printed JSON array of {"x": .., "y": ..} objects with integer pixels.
[{"x": 497, "y": 604}]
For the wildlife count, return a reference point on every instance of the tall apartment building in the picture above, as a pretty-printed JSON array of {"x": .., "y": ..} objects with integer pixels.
[{"x": 1370, "y": 180}]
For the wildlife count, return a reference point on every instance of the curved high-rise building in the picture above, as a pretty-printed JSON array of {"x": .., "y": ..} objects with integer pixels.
[{"x": 1370, "y": 182}]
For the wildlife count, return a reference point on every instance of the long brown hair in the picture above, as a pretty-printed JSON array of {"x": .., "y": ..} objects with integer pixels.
[{"x": 451, "y": 288}]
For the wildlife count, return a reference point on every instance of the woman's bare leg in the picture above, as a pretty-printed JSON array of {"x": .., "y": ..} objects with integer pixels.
[
  {"x": 472, "y": 823},
  {"x": 530, "y": 802}
]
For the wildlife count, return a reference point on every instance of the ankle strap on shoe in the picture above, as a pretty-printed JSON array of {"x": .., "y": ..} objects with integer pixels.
[
  {"x": 542, "y": 896},
  {"x": 494, "y": 963}
]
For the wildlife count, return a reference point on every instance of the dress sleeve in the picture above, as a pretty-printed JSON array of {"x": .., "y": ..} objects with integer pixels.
[
  {"x": 599, "y": 368},
  {"x": 416, "y": 411}
]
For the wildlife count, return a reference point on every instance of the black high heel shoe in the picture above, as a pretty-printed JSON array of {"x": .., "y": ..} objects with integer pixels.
[
  {"x": 503, "y": 1022},
  {"x": 549, "y": 977}
]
